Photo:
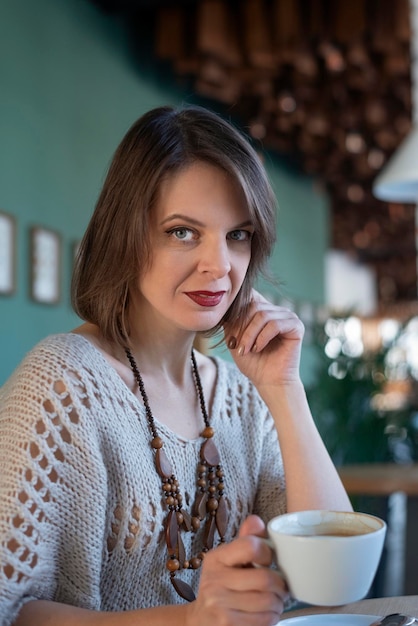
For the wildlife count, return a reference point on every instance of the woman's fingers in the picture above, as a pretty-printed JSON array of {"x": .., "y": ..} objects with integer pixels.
[
  {"x": 268, "y": 325},
  {"x": 264, "y": 324},
  {"x": 234, "y": 592},
  {"x": 256, "y": 602},
  {"x": 247, "y": 580},
  {"x": 253, "y": 525},
  {"x": 248, "y": 591},
  {"x": 242, "y": 552},
  {"x": 245, "y": 563}
]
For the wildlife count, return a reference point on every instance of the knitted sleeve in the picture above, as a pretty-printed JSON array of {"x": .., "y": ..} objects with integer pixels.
[
  {"x": 271, "y": 493},
  {"x": 255, "y": 446},
  {"x": 47, "y": 464}
]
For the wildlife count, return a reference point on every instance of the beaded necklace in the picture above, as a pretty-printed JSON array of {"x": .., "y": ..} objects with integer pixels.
[{"x": 209, "y": 505}]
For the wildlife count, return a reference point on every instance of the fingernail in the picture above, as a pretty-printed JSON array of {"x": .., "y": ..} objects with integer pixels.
[
  {"x": 241, "y": 350},
  {"x": 254, "y": 348},
  {"x": 232, "y": 343}
]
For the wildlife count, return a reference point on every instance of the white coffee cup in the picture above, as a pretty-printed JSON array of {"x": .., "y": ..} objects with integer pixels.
[{"x": 327, "y": 558}]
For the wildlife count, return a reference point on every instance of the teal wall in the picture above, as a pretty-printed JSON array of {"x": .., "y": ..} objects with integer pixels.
[
  {"x": 302, "y": 235},
  {"x": 68, "y": 92}
]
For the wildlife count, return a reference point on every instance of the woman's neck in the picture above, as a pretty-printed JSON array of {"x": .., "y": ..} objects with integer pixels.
[{"x": 167, "y": 372}]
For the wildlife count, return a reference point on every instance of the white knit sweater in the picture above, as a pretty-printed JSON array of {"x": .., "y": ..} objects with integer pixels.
[{"x": 81, "y": 517}]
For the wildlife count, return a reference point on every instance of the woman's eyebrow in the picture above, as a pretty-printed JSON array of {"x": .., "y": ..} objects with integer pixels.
[
  {"x": 192, "y": 220},
  {"x": 244, "y": 224},
  {"x": 184, "y": 218}
]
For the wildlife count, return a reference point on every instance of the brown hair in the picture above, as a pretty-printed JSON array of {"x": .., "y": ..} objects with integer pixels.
[{"x": 116, "y": 245}]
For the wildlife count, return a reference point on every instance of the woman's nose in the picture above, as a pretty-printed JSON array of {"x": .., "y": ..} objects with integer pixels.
[{"x": 215, "y": 259}]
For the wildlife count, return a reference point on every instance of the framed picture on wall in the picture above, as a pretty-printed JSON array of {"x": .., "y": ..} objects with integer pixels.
[
  {"x": 45, "y": 258},
  {"x": 7, "y": 253}
]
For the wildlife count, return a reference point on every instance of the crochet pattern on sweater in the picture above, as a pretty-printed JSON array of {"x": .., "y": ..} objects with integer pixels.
[{"x": 81, "y": 516}]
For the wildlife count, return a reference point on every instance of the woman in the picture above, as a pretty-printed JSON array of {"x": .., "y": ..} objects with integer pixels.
[{"x": 127, "y": 454}]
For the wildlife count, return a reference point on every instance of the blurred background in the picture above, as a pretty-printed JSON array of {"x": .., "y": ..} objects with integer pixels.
[{"x": 325, "y": 91}]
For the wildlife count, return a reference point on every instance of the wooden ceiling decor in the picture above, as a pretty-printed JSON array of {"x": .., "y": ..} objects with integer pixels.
[{"x": 324, "y": 83}]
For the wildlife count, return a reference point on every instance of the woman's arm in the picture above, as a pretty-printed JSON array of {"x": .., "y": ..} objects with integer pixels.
[
  {"x": 312, "y": 482},
  {"x": 267, "y": 351},
  {"x": 47, "y": 613},
  {"x": 231, "y": 593}
]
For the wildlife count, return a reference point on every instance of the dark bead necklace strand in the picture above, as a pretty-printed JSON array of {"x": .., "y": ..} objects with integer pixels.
[{"x": 210, "y": 502}]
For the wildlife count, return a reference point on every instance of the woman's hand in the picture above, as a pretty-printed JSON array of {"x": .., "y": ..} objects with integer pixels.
[
  {"x": 232, "y": 591},
  {"x": 267, "y": 346}
]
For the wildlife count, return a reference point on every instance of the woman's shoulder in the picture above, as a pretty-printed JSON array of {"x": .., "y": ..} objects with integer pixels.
[
  {"x": 60, "y": 372},
  {"x": 64, "y": 340},
  {"x": 55, "y": 356},
  {"x": 65, "y": 344},
  {"x": 62, "y": 350}
]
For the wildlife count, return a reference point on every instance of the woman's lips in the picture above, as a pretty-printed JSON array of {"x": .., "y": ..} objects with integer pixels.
[{"x": 206, "y": 298}]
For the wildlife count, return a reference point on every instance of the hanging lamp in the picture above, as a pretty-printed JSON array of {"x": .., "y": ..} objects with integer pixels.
[{"x": 398, "y": 180}]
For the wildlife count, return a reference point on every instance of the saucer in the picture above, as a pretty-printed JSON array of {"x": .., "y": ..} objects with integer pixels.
[{"x": 330, "y": 620}]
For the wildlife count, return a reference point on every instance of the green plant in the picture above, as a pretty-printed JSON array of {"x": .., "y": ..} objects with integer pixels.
[{"x": 345, "y": 403}]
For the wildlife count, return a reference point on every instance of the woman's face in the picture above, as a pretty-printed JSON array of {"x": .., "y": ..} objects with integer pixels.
[{"x": 200, "y": 249}]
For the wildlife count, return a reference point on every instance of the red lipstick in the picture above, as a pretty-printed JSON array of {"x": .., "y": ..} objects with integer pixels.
[{"x": 206, "y": 298}]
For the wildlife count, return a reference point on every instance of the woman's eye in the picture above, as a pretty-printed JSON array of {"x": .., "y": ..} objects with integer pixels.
[
  {"x": 240, "y": 235},
  {"x": 184, "y": 234}
]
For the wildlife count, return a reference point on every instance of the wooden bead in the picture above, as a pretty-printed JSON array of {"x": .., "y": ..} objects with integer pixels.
[
  {"x": 222, "y": 517},
  {"x": 183, "y": 589},
  {"x": 209, "y": 453},
  {"x": 180, "y": 517},
  {"x": 157, "y": 443},
  {"x": 187, "y": 520},
  {"x": 212, "y": 504},
  {"x": 195, "y": 523},
  {"x": 173, "y": 564},
  {"x": 209, "y": 533},
  {"x": 163, "y": 465},
  {"x": 171, "y": 532},
  {"x": 208, "y": 432},
  {"x": 199, "y": 509},
  {"x": 195, "y": 562},
  {"x": 181, "y": 553}
]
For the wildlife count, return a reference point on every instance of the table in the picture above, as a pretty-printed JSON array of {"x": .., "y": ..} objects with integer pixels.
[
  {"x": 397, "y": 482},
  {"x": 373, "y": 606},
  {"x": 380, "y": 479}
]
